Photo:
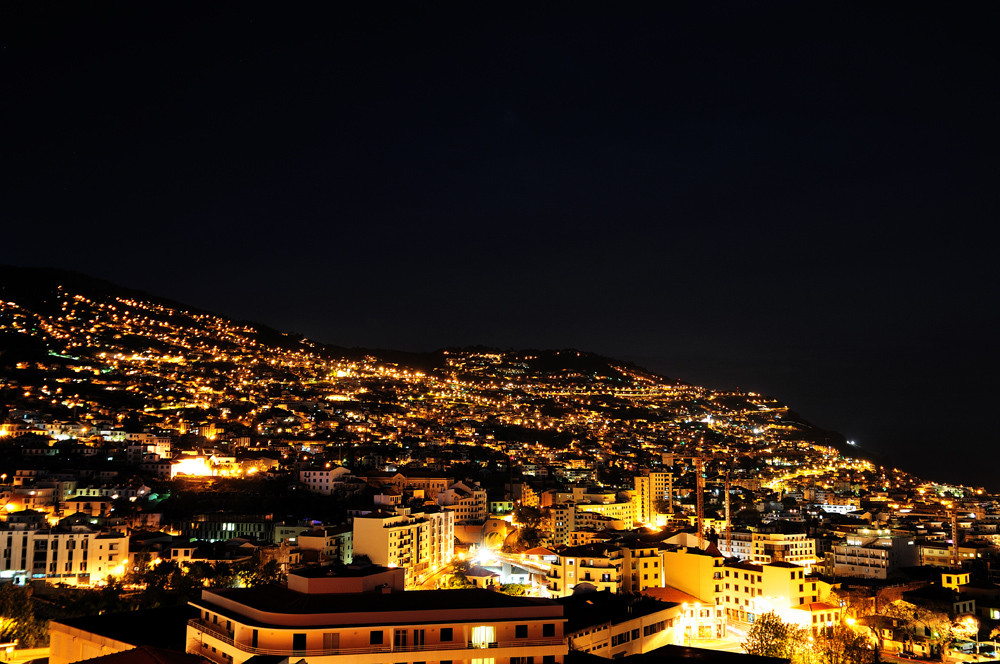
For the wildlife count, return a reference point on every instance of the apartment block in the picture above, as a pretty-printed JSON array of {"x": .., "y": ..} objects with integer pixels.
[{"x": 361, "y": 615}]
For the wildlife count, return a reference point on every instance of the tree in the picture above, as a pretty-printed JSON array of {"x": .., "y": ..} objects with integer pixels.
[
  {"x": 843, "y": 645},
  {"x": 933, "y": 627},
  {"x": 458, "y": 580},
  {"x": 769, "y": 636},
  {"x": 516, "y": 589},
  {"x": 17, "y": 618},
  {"x": 260, "y": 573},
  {"x": 966, "y": 627},
  {"x": 527, "y": 516},
  {"x": 858, "y": 602}
]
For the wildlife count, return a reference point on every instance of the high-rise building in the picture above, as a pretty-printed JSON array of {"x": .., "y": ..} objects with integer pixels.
[{"x": 650, "y": 486}]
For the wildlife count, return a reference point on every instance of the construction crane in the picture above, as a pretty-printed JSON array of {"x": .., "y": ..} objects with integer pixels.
[
  {"x": 729, "y": 545},
  {"x": 699, "y": 465},
  {"x": 956, "y": 560}
]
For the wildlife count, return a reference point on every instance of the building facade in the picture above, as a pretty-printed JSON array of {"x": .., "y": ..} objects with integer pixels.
[{"x": 323, "y": 625}]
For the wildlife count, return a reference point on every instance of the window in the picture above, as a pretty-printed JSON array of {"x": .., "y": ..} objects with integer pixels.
[
  {"x": 548, "y": 629},
  {"x": 483, "y": 636},
  {"x": 298, "y": 641},
  {"x": 375, "y": 638},
  {"x": 520, "y": 631},
  {"x": 447, "y": 633}
]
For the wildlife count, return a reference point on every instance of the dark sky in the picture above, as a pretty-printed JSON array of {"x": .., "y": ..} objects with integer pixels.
[{"x": 798, "y": 198}]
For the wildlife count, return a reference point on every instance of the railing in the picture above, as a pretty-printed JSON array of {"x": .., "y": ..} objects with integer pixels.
[{"x": 223, "y": 636}]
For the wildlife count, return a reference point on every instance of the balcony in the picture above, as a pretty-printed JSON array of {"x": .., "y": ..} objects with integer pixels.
[{"x": 221, "y": 635}]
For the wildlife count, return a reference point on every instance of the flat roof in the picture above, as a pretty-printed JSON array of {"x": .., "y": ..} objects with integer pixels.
[
  {"x": 148, "y": 655},
  {"x": 280, "y": 600},
  {"x": 671, "y": 654},
  {"x": 161, "y": 628},
  {"x": 585, "y": 610},
  {"x": 334, "y": 571}
]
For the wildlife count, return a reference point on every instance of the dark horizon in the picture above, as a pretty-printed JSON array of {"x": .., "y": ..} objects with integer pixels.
[{"x": 789, "y": 199}]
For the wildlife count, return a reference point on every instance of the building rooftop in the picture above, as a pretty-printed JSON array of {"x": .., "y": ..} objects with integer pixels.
[
  {"x": 324, "y": 571},
  {"x": 160, "y": 628},
  {"x": 275, "y": 599},
  {"x": 671, "y": 595},
  {"x": 682, "y": 654},
  {"x": 584, "y": 610},
  {"x": 148, "y": 655}
]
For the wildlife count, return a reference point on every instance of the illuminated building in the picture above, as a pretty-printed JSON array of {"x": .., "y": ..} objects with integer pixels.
[
  {"x": 324, "y": 481},
  {"x": 752, "y": 590},
  {"x": 429, "y": 482},
  {"x": 650, "y": 487},
  {"x": 418, "y": 542},
  {"x": 630, "y": 565},
  {"x": 467, "y": 501},
  {"x": 777, "y": 547},
  {"x": 226, "y": 526},
  {"x": 613, "y": 627},
  {"x": 74, "y": 555},
  {"x": 871, "y": 557},
  {"x": 592, "y": 567},
  {"x": 940, "y": 554},
  {"x": 334, "y": 544},
  {"x": 698, "y": 573},
  {"x": 361, "y": 614}
]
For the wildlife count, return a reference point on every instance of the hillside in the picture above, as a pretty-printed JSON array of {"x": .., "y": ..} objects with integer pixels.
[{"x": 82, "y": 349}]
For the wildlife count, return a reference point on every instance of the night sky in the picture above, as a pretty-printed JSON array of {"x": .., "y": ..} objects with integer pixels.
[{"x": 798, "y": 199}]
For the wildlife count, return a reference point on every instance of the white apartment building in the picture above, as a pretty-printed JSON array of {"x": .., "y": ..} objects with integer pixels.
[
  {"x": 466, "y": 500},
  {"x": 871, "y": 557},
  {"x": 74, "y": 555},
  {"x": 335, "y": 543},
  {"x": 418, "y": 542},
  {"x": 324, "y": 481},
  {"x": 364, "y": 618}
]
